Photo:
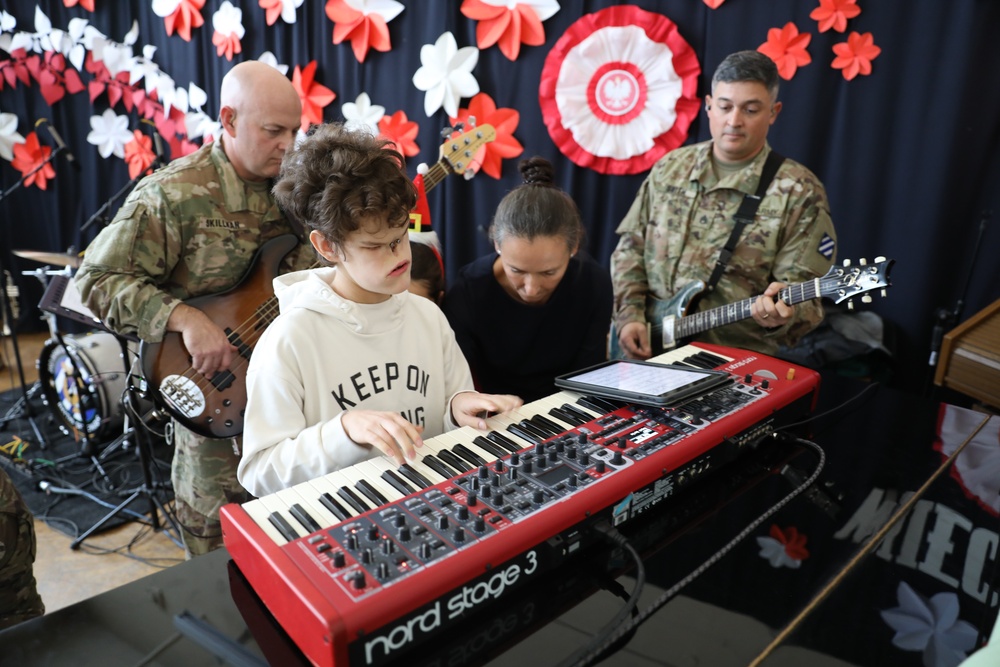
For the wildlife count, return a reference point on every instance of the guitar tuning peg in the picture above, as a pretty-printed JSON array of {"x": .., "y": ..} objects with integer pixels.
[
  {"x": 847, "y": 262},
  {"x": 468, "y": 174},
  {"x": 472, "y": 121},
  {"x": 884, "y": 293},
  {"x": 863, "y": 262},
  {"x": 422, "y": 168},
  {"x": 879, "y": 259},
  {"x": 446, "y": 132},
  {"x": 866, "y": 298},
  {"x": 850, "y": 304}
]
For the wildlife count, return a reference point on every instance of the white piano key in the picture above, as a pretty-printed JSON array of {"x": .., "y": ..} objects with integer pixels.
[
  {"x": 372, "y": 470},
  {"x": 331, "y": 483},
  {"x": 275, "y": 505},
  {"x": 259, "y": 512},
  {"x": 300, "y": 493}
]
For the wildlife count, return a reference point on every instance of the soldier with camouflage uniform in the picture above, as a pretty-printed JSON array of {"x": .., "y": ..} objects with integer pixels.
[
  {"x": 683, "y": 216},
  {"x": 19, "y": 599},
  {"x": 192, "y": 229}
]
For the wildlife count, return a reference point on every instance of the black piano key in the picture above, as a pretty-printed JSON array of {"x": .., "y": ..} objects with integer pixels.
[
  {"x": 397, "y": 483},
  {"x": 469, "y": 455},
  {"x": 598, "y": 404},
  {"x": 438, "y": 466},
  {"x": 303, "y": 517},
  {"x": 409, "y": 473},
  {"x": 283, "y": 526},
  {"x": 580, "y": 414},
  {"x": 454, "y": 461},
  {"x": 705, "y": 360},
  {"x": 335, "y": 508},
  {"x": 503, "y": 441},
  {"x": 524, "y": 434},
  {"x": 539, "y": 432},
  {"x": 491, "y": 447},
  {"x": 370, "y": 492},
  {"x": 352, "y": 499},
  {"x": 568, "y": 417},
  {"x": 543, "y": 422}
]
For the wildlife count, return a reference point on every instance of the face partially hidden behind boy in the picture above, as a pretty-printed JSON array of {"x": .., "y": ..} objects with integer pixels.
[{"x": 354, "y": 367}]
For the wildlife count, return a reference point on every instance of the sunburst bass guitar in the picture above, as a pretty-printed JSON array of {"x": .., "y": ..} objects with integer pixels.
[
  {"x": 214, "y": 407},
  {"x": 668, "y": 323}
]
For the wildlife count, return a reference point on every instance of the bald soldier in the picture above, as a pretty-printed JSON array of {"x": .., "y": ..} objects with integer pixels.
[{"x": 191, "y": 229}]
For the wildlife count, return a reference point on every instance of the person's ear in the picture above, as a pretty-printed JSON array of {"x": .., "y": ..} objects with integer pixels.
[
  {"x": 327, "y": 249},
  {"x": 708, "y": 102},
  {"x": 227, "y": 116}
]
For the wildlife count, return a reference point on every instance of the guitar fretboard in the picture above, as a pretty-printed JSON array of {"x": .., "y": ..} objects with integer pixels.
[{"x": 734, "y": 312}]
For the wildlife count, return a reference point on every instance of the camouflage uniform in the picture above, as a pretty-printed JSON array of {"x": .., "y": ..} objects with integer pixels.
[
  {"x": 189, "y": 229},
  {"x": 683, "y": 216},
  {"x": 19, "y": 599}
]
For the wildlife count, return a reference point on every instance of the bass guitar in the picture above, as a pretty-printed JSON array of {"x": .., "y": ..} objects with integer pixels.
[
  {"x": 668, "y": 324},
  {"x": 214, "y": 407}
]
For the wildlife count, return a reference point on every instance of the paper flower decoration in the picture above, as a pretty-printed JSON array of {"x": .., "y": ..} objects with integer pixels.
[
  {"x": 714, "y": 4},
  {"x": 930, "y": 626},
  {"x": 283, "y": 8},
  {"x": 364, "y": 22},
  {"x": 15, "y": 69},
  {"x": 109, "y": 132},
  {"x": 180, "y": 16},
  {"x": 86, "y": 4},
  {"x": 504, "y": 122},
  {"x": 787, "y": 48},
  {"x": 835, "y": 14},
  {"x": 54, "y": 79},
  {"x": 269, "y": 58},
  {"x": 619, "y": 90},
  {"x": 509, "y": 23},
  {"x": 445, "y": 74},
  {"x": 30, "y": 159},
  {"x": 977, "y": 468},
  {"x": 855, "y": 56},
  {"x": 72, "y": 42},
  {"x": 784, "y": 548},
  {"x": 229, "y": 30},
  {"x": 315, "y": 96},
  {"x": 139, "y": 155},
  {"x": 9, "y": 136},
  {"x": 362, "y": 114},
  {"x": 401, "y": 131}
]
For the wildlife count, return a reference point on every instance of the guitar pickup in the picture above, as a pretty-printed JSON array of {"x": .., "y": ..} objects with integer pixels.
[
  {"x": 241, "y": 347},
  {"x": 223, "y": 380}
]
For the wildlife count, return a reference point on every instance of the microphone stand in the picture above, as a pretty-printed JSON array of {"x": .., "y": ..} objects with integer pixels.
[
  {"x": 25, "y": 401},
  {"x": 945, "y": 319}
]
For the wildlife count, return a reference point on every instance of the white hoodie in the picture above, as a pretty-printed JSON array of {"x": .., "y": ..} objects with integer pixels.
[{"x": 323, "y": 355}]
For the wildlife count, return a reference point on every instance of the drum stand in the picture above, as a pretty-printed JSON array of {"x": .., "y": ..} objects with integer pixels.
[
  {"x": 135, "y": 425},
  {"x": 23, "y": 408}
]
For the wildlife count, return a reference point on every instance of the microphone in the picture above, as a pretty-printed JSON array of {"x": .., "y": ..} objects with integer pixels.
[
  {"x": 56, "y": 137},
  {"x": 157, "y": 143}
]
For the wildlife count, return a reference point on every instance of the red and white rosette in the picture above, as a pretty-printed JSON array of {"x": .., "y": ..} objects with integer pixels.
[{"x": 619, "y": 90}]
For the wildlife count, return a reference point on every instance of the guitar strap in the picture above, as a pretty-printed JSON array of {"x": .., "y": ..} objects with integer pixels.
[{"x": 745, "y": 215}]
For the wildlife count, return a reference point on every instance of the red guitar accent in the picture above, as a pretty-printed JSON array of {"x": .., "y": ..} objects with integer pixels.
[{"x": 214, "y": 407}]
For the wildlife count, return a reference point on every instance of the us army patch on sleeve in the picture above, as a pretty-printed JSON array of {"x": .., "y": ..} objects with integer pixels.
[{"x": 826, "y": 246}]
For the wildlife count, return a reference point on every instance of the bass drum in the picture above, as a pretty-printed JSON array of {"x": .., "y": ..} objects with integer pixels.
[{"x": 95, "y": 358}]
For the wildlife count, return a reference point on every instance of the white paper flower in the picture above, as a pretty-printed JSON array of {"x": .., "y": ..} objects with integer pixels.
[
  {"x": 387, "y": 9},
  {"x": 164, "y": 8},
  {"x": 70, "y": 42},
  {"x": 200, "y": 124},
  {"x": 774, "y": 552},
  {"x": 269, "y": 58},
  {"x": 228, "y": 20},
  {"x": 545, "y": 9},
  {"x": 109, "y": 132},
  {"x": 362, "y": 114},
  {"x": 7, "y": 22},
  {"x": 288, "y": 8},
  {"x": 930, "y": 626},
  {"x": 445, "y": 74},
  {"x": 8, "y": 135}
]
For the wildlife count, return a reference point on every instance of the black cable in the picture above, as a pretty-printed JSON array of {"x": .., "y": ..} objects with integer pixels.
[
  {"x": 697, "y": 572},
  {"x": 606, "y": 637}
]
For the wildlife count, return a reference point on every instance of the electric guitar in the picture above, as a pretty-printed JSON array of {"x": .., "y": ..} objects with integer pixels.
[
  {"x": 668, "y": 323},
  {"x": 214, "y": 407}
]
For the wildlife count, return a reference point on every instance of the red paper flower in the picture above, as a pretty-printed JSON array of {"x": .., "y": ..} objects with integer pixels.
[
  {"x": 179, "y": 147},
  {"x": 508, "y": 26},
  {"x": 714, "y": 4},
  {"x": 116, "y": 88},
  {"x": 793, "y": 541},
  {"x": 139, "y": 154},
  {"x": 186, "y": 15},
  {"x": 272, "y": 9},
  {"x": 15, "y": 69},
  {"x": 834, "y": 14},
  {"x": 53, "y": 77},
  {"x": 401, "y": 131},
  {"x": 227, "y": 44},
  {"x": 364, "y": 30},
  {"x": 314, "y": 96},
  {"x": 86, "y": 4},
  {"x": 787, "y": 48},
  {"x": 504, "y": 122},
  {"x": 27, "y": 158},
  {"x": 855, "y": 56}
]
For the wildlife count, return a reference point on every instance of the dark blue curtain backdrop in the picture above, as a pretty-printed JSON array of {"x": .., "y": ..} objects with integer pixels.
[{"x": 910, "y": 155}]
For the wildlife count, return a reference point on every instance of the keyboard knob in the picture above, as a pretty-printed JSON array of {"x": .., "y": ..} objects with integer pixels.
[
  {"x": 373, "y": 533},
  {"x": 487, "y": 491},
  {"x": 499, "y": 467},
  {"x": 538, "y": 497},
  {"x": 442, "y": 523},
  {"x": 425, "y": 551},
  {"x": 352, "y": 541},
  {"x": 599, "y": 467},
  {"x": 480, "y": 525},
  {"x": 366, "y": 556},
  {"x": 617, "y": 459},
  {"x": 383, "y": 571},
  {"x": 338, "y": 559},
  {"x": 471, "y": 501},
  {"x": 400, "y": 520},
  {"x": 463, "y": 513},
  {"x": 484, "y": 472},
  {"x": 388, "y": 546},
  {"x": 404, "y": 534},
  {"x": 459, "y": 536},
  {"x": 358, "y": 580},
  {"x": 585, "y": 459},
  {"x": 527, "y": 467}
]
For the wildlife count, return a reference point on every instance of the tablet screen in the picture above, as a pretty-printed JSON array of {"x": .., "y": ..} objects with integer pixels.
[{"x": 642, "y": 382}]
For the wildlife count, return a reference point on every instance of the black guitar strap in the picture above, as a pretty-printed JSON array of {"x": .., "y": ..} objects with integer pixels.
[{"x": 745, "y": 215}]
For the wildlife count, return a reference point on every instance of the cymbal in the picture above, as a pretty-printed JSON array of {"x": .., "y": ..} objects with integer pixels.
[{"x": 57, "y": 258}]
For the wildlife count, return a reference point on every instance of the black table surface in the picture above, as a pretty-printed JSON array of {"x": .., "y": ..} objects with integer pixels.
[{"x": 806, "y": 574}]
